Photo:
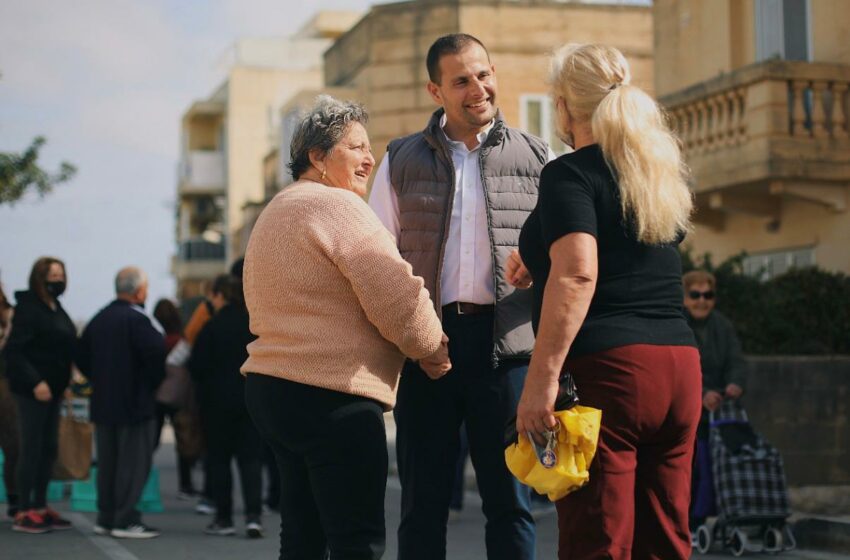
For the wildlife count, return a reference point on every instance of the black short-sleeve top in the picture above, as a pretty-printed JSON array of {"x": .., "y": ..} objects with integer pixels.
[{"x": 638, "y": 298}]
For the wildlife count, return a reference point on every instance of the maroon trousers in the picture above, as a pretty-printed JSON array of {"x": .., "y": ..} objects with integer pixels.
[{"x": 636, "y": 503}]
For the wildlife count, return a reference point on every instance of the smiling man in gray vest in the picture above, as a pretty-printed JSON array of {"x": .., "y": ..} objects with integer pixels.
[{"x": 455, "y": 196}]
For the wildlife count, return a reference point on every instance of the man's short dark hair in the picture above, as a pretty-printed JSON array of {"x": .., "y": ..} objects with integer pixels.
[{"x": 448, "y": 44}]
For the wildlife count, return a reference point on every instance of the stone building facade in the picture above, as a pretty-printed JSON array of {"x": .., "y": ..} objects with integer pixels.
[{"x": 758, "y": 91}]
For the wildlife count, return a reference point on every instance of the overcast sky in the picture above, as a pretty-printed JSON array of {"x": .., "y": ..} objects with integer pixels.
[{"x": 106, "y": 82}]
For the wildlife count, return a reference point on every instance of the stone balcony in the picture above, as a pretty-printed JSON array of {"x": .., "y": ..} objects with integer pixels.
[{"x": 764, "y": 133}]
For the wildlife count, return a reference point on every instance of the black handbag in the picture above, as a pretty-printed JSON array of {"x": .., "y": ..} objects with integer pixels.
[{"x": 566, "y": 399}]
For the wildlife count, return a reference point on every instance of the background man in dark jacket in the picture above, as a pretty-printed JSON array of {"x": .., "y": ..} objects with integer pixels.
[{"x": 122, "y": 352}]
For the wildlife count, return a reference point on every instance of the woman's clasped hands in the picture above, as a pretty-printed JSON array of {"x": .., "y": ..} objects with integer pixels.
[{"x": 437, "y": 364}]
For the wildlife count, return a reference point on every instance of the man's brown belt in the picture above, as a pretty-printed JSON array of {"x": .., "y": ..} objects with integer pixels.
[{"x": 464, "y": 308}]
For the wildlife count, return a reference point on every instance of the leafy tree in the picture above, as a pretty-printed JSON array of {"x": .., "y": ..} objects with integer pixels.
[{"x": 20, "y": 172}]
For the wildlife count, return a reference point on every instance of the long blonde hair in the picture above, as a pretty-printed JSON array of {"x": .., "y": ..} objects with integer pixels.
[{"x": 630, "y": 128}]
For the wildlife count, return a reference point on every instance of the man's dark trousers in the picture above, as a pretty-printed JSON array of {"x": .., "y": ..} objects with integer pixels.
[
  {"x": 124, "y": 455},
  {"x": 428, "y": 416}
]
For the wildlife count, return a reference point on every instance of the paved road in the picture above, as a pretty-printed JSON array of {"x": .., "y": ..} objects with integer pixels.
[{"x": 182, "y": 536}]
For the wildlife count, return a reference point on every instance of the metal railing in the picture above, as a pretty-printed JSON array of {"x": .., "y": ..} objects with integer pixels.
[{"x": 201, "y": 250}]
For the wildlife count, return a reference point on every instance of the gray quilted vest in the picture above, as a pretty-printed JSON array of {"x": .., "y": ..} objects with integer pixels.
[{"x": 422, "y": 175}]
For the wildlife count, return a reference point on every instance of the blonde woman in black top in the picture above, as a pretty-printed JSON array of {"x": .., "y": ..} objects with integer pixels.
[{"x": 601, "y": 250}]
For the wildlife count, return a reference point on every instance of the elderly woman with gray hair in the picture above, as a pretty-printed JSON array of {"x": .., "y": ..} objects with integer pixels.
[{"x": 336, "y": 310}]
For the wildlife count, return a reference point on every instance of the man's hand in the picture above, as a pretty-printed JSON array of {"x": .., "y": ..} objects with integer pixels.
[
  {"x": 515, "y": 272},
  {"x": 734, "y": 391},
  {"x": 712, "y": 400},
  {"x": 41, "y": 392},
  {"x": 437, "y": 364}
]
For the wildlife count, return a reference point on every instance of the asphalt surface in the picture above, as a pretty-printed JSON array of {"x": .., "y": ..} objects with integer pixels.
[{"x": 183, "y": 538}]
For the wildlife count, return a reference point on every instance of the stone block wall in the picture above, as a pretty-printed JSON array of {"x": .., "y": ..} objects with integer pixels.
[{"x": 802, "y": 406}]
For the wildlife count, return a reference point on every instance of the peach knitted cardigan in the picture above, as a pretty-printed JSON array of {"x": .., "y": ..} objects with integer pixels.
[{"x": 331, "y": 301}]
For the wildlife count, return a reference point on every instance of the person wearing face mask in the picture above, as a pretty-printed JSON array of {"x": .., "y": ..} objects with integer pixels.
[
  {"x": 39, "y": 354},
  {"x": 335, "y": 310},
  {"x": 724, "y": 376},
  {"x": 122, "y": 352}
]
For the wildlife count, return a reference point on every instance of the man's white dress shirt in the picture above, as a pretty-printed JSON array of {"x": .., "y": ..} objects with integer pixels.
[{"x": 467, "y": 273}]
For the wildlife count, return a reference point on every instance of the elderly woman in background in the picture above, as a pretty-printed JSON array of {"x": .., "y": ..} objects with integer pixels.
[
  {"x": 601, "y": 246},
  {"x": 724, "y": 374},
  {"x": 335, "y": 309},
  {"x": 39, "y": 355}
]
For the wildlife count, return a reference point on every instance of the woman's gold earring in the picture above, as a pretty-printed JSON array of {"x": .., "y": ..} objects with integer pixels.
[{"x": 324, "y": 172}]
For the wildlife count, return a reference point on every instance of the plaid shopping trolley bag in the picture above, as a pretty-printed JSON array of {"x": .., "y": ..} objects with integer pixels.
[
  {"x": 749, "y": 485},
  {"x": 749, "y": 475}
]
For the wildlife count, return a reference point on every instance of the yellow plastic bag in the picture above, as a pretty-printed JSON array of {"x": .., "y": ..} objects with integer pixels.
[{"x": 573, "y": 446}]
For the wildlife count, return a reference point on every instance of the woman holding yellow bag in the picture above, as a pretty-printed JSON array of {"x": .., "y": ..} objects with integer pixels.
[
  {"x": 556, "y": 462},
  {"x": 601, "y": 248}
]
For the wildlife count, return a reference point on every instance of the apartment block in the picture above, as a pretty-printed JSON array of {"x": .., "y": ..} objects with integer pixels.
[{"x": 225, "y": 137}]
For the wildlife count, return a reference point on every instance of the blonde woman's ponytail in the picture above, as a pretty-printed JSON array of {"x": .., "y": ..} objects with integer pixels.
[
  {"x": 645, "y": 156},
  {"x": 637, "y": 144}
]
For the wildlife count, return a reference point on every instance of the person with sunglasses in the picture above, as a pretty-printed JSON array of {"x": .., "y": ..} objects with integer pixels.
[{"x": 724, "y": 373}]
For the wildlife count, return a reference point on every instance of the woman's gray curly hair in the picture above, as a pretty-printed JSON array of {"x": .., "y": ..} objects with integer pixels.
[{"x": 321, "y": 129}]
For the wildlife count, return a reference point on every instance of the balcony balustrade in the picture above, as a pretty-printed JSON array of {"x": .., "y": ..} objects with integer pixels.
[{"x": 766, "y": 131}]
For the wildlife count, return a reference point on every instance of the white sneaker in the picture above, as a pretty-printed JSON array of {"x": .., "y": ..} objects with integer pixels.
[
  {"x": 254, "y": 530},
  {"x": 135, "y": 531},
  {"x": 101, "y": 530},
  {"x": 204, "y": 508}
]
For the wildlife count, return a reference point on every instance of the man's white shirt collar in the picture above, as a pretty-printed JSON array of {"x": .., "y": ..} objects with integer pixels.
[{"x": 481, "y": 136}]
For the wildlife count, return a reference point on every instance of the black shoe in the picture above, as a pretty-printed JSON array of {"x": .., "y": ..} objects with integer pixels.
[
  {"x": 220, "y": 528},
  {"x": 56, "y": 521}
]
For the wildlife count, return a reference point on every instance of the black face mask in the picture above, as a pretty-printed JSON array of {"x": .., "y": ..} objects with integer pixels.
[{"x": 55, "y": 289}]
